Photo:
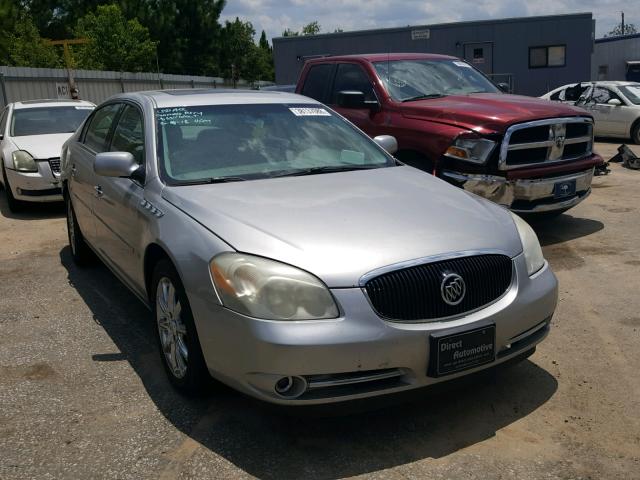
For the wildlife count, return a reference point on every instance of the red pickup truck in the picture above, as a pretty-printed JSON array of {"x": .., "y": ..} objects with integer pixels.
[{"x": 528, "y": 154}]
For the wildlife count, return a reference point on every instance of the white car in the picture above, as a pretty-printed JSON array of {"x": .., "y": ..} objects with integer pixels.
[
  {"x": 615, "y": 106},
  {"x": 31, "y": 137}
]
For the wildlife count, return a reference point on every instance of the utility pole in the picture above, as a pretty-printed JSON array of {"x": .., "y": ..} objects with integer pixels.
[
  {"x": 622, "y": 23},
  {"x": 68, "y": 60}
]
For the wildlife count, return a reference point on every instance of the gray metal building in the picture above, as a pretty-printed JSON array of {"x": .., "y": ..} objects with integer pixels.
[
  {"x": 534, "y": 54},
  {"x": 616, "y": 58}
]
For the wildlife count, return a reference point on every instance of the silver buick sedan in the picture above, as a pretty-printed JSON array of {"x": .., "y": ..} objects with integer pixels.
[{"x": 289, "y": 256}]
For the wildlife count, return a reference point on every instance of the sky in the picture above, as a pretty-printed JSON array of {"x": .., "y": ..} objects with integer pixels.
[{"x": 274, "y": 16}]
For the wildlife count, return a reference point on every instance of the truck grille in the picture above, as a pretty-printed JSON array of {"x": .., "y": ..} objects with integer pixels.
[
  {"x": 545, "y": 141},
  {"x": 415, "y": 293},
  {"x": 54, "y": 163}
]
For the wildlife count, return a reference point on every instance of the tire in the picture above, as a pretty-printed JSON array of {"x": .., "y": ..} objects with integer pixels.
[
  {"x": 80, "y": 251},
  {"x": 14, "y": 205},
  {"x": 178, "y": 342},
  {"x": 635, "y": 133}
]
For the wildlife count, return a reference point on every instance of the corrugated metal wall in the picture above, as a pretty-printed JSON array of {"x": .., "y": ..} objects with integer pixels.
[
  {"x": 21, "y": 83},
  {"x": 614, "y": 53}
]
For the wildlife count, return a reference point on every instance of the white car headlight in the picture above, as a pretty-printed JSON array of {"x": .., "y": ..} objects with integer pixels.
[
  {"x": 23, "y": 162},
  {"x": 263, "y": 288},
  {"x": 530, "y": 245},
  {"x": 474, "y": 150}
]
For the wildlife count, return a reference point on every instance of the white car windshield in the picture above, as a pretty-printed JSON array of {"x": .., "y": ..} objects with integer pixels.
[
  {"x": 408, "y": 80},
  {"x": 204, "y": 144},
  {"x": 47, "y": 120},
  {"x": 632, "y": 92}
]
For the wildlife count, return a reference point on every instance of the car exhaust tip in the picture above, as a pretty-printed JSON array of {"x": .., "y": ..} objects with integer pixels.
[{"x": 290, "y": 386}]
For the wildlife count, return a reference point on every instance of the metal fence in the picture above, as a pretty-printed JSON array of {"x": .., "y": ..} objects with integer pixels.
[{"x": 21, "y": 83}]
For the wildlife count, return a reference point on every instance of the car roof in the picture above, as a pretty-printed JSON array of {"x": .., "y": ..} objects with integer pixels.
[
  {"x": 604, "y": 83},
  {"x": 213, "y": 96},
  {"x": 381, "y": 57},
  {"x": 51, "y": 103}
]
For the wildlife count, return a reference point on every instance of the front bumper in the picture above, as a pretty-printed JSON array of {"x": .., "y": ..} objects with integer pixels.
[
  {"x": 40, "y": 186},
  {"x": 359, "y": 354},
  {"x": 524, "y": 195}
]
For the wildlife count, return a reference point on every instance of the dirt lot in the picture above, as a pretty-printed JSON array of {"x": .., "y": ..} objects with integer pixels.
[{"x": 82, "y": 393}]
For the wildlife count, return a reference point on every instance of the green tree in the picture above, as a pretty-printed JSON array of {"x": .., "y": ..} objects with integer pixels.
[
  {"x": 25, "y": 47},
  {"x": 115, "y": 43},
  {"x": 312, "y": 28},
  {"x": 239, "y": 54},
  {"x": 290, "y": 33},
  {"x": 629, "y": 29}
]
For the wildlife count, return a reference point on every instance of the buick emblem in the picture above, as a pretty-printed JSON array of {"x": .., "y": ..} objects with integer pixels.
[{"x": 453, "y": 289}]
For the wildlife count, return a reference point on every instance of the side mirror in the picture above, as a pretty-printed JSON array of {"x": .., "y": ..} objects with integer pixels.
[
  {"x": 504, "y": 87},
  {"x": 355, "y": 99},
  {"x": 615, "y": 102},
  {"x": 389, "y": 143},
  {"x": 115, "y": 164},
  {"x": 1, "y": 136}
]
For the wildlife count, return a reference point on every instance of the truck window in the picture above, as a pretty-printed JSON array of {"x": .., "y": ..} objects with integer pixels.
[
  {"x": 352, "y": 77},
  {"x": 315, "y": 85}
]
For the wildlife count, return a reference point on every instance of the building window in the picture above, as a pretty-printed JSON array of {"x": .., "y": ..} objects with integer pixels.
[
  {"x": 603, "y": 70},
  {"x": 551, "y": 56}
]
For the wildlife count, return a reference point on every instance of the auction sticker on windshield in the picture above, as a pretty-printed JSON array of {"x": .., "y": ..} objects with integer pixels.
[
  {"x": 309, "y": 112},
  {"x": 454, "y": 350}
]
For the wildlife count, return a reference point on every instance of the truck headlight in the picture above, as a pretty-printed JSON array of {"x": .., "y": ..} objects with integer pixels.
[
  {"x": 263, "y": 288},
  {"x": 469, "y": 149},
  {"x": 23, "y": 162},
  {"x": 530, "y": 245}
]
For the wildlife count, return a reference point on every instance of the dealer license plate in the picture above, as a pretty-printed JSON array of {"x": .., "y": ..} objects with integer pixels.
[{"x": 455, "y": 351}]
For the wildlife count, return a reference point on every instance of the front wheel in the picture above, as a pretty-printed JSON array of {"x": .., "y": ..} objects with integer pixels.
[
  {"x": 178, "y": 341},
  {"x": 14, "y": 205},
  {"x": 635, "y": 133}
]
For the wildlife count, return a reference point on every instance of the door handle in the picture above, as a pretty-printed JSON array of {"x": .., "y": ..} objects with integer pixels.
[{"x": 98, "y": 190}]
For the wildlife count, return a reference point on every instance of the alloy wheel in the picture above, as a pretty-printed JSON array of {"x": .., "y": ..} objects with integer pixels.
[{"x": 171, "y": 328}]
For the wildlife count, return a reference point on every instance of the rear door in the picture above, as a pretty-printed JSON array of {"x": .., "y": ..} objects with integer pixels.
[
  {"x": 120, "y": 222},
  {"x": 80, "y": 157}
]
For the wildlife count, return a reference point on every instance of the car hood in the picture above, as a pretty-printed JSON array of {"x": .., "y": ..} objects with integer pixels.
[
  {"x": 487, "y": 112},
  {"x": 42, "y": 146},
  {"x": 340, "y": 226}
]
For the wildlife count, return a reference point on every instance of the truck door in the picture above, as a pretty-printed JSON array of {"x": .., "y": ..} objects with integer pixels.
[
  {"x": 480, "y": 55},
  {"x": 352, "y": 77}
]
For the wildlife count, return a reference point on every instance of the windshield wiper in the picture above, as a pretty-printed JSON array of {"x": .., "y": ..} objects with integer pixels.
[
  {"x": 424, "y": 96},
  {"x": 325, "y": 169},
  {"x": 206, "y": 181}
]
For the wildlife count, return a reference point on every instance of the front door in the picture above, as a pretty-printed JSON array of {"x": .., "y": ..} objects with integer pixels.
[
  {"x": 119, "y": 216},
  {"x": 480, "y": 55}
]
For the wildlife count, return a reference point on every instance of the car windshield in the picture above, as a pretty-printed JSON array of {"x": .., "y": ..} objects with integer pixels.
[
  {"x": 242, "y": 142},
  {"x": 632, "y": 92},
  {"x": 47, "y": 120},
  {"x": 408, "y": 80}
]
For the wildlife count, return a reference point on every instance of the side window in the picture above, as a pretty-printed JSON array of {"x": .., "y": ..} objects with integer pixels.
[
  {"x": 100, "y": 126},
  {"x": 315, "y": 84},
  {"x": 603, "y": 95},
  {"x": 558, "y": 96},
  {"x": 128, "y": 135},
  {"x": 352, "y": 77}
]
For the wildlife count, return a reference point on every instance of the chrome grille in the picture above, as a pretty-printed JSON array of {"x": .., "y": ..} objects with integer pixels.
[
  {"x": 415, "y": 293},
  {"x": 546, "y": 141},
  {"x": 54, "y": 163}
]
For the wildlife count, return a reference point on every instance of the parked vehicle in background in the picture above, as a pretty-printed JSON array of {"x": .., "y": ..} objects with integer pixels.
[
  {"x": 288, "y": 255},
  {"x": 31, "y": 136},
  {"x": 615, "y": 106},
  {"x": 449, "y": 119},
  {"x": 280, "y": 88}
]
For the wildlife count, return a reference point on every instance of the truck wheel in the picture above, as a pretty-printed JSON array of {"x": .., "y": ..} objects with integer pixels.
[
  {"x": 14, "y": 205},
  {"x": 80, "y": 251},
  {"x": 635, "y": 133},
  {"x": 178, "y": 341}
]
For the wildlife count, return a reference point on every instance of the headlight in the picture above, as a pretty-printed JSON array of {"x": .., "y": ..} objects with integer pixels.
[
  {"x": 23, "y": 162},
  {"x": 530, "y": 245},
  {"x": 271, "y": 290},
  {"x": 475, "y": 150}
]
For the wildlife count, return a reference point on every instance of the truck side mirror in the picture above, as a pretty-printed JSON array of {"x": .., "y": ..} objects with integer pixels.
[{"x": 356, "y": 99}]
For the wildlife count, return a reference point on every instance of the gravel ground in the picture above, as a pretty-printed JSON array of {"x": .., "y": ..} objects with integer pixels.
[{"x": 83, "y": 395}]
